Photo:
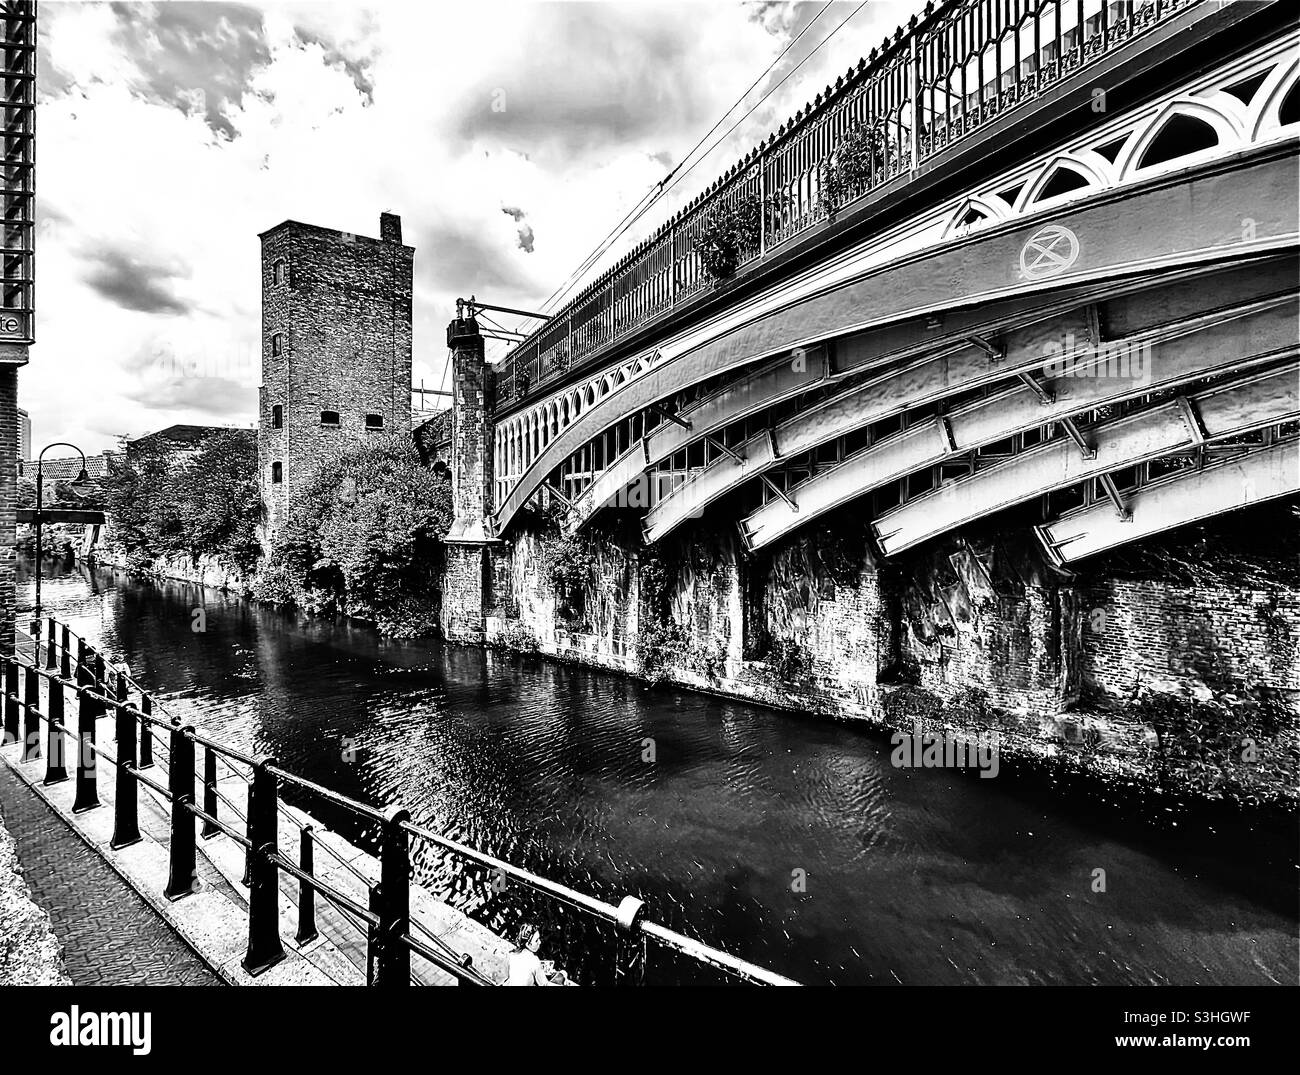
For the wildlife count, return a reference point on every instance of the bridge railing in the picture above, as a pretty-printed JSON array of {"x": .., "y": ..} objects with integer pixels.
[
  {"x": 958, "y": 66},
  {"x": 67, "y": 662}
]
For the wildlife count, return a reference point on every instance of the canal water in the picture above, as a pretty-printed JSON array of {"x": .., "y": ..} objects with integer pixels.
[{"x": 789, "y": 841}]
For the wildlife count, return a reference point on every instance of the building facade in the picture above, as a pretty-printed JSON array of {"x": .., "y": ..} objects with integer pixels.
[
  {"x": 24, "y": 435},
  {"x": 336, "y": 350},
  {"x": 18, "y": 41}
]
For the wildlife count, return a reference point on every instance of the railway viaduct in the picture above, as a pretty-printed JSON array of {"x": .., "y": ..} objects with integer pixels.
[{"x": 972, "y": 393}]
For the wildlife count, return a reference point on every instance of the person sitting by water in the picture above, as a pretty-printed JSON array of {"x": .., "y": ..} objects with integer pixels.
[{"x": 525, "y": 967}]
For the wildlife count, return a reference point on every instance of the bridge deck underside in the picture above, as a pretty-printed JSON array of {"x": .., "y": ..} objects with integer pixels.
[{"x": 933, "y": 373}]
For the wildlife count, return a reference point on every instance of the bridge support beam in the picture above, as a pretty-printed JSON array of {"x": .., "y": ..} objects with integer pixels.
[{"x": 469, "y": 542}]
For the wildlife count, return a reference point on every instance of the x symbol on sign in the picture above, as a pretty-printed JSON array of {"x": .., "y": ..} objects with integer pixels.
[{"x": 1049, "y": 251}]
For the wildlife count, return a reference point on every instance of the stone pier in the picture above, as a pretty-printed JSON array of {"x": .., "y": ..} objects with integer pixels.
[{"x": 469, "y": 543}]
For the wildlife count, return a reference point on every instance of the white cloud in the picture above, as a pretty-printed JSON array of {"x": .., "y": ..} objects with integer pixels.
[{"x": 153, "y": 190}]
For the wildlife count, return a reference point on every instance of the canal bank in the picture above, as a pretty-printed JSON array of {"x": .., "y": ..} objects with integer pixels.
[{"x": 790, "y": 841}]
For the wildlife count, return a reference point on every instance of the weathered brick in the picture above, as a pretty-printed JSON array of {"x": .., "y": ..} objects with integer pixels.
[{"x": 340, "y": 305}]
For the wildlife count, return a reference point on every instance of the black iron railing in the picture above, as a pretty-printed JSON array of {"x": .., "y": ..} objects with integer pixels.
[
  {"x": 70, "y": 665},
  {"x": 956, "y": 67}
]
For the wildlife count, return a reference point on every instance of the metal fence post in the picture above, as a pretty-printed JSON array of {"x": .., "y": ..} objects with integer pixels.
[
  {"x": 55, "y": 740},
  {"x": 51, "y": 656},
  {"x": 11, "y": 701},
  {"x": 306, "y": 894},
  {"x": 264, "y": 948},
  {"x": 629, "y": 957},
  {"x": 65, "y": 653},
  {"x": 210, "y": 828},
  {"x": 83, "y": 659},
  {"x": 89, "y": 709},
  {"x": 393, "y": 966},
  {"x": 126, "y": 816},
  {"x": 32, "y": 715},
  {"x": 101, "y": 676},
  {"x": 146, "y": 732},
  {"x": 180, "y": 880}
]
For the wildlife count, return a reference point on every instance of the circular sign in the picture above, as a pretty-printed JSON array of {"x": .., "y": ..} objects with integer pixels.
[{"x": 1049, "y": 252}]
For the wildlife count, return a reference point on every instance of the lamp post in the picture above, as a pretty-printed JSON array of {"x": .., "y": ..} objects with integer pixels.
[{"x": 80, "y": 479}]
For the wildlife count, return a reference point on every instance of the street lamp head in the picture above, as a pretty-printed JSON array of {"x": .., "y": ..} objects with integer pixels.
[{"x": 82, "y": 478}]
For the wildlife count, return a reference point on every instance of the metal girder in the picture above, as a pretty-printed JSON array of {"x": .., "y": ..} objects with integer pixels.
[
  {"x": 1045, "y": 396},
  {"x": 1192, "y": 416},
  {"x": 664, "y": 412},
  {"x": 1145, "y": 231},
  {"x": 995, "y": 353},
  {"x": 1187, "y": 497},
  {"x": 945, "y": 424},
  {"x": 1072, "y": 431},
  {"x": 1108, "y": 486}
]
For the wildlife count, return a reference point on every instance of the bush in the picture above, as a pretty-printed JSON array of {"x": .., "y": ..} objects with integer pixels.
[
  {"x": 856, "y": 159},
  {"x": 364, "y": 538},
  {"x": 162, "y": 502},
  {"x": 727, "y": 232}
]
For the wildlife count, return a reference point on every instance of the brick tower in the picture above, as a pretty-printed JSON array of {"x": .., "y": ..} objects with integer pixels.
[{"x": 336, "y": 350}]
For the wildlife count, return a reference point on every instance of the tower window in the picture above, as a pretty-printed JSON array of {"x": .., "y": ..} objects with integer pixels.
[
  {"x": 278, "y": 273},
  {"x": 329, "y": 418},
  {"x": 374, "y": 421},
  {"x": 277, "y": 473},
  {"x": 277, "y": 343},
  {"x": 277, "y": 416}
]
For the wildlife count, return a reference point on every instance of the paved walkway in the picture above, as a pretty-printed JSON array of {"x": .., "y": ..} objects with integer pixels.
[{"x": 110, "y": 936}]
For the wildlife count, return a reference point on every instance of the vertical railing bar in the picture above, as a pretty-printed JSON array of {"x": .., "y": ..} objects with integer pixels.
[
  {"x": 31, "y": 714},
  {"x": 264, "y": 947},
  {"x": 88, "y": 709},
  {"x": 55, "y": 741},
  {"x": 182, "y": 875},
  {"x": 126, "y": 817}
]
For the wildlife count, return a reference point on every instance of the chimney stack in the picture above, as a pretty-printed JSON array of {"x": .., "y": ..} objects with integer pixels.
[{"x": 390, "y": 227}]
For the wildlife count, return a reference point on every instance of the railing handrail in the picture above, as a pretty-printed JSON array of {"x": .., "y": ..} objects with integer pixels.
[
  {"x": 928, "y": 105},
  {"x": 627, "y": 917}
]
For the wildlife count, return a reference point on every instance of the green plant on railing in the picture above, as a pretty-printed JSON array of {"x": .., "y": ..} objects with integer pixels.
[
  {"x": 726, "y": 233},
  {"x": 521, "y": 379},
  {"x": 860, "y": 155},
  {"x": 559, "y": 360}
]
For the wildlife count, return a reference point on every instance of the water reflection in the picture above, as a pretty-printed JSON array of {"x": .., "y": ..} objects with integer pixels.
[{"x": 912, "y": 877}]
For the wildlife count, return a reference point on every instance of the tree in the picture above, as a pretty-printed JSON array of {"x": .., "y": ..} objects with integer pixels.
[
  {"x": 163, "y": 502},
  {"x": 364, "y": 538}
]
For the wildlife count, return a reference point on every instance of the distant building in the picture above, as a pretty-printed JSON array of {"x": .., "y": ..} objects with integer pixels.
[
  {"x": 24, "y": 434},
  {"x": 66, "y": 469},
  {"x": 336, "y": 350},
  {"x": 182, "y": 438}
]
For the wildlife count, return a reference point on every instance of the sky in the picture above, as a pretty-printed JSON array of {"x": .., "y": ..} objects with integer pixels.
[{"x": 511, "y": 138}]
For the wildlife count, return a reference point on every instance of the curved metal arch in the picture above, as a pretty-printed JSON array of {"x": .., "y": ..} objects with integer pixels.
[
  {"x": 1227, "y": 127},
  {"x": 991, "y": 208},
  {"x": 1221, "y": 343},
  {"x": 1253, "y": 478},
  {"x": 766, "y": 386},
  {"x": 1097, "y": 177},
  {"x": 1262, "y": 117},
  {"x": 1227, "y": 410},
  {"x": 979, "y": 270},
  {"x": 944, "y": 373}
]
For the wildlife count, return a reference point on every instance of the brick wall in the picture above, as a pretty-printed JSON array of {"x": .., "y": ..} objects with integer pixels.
[
  {"x": 969, "y": 635},
  {"x": 342, "y": 312},
  {"x": 1183, "y": 639}
]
